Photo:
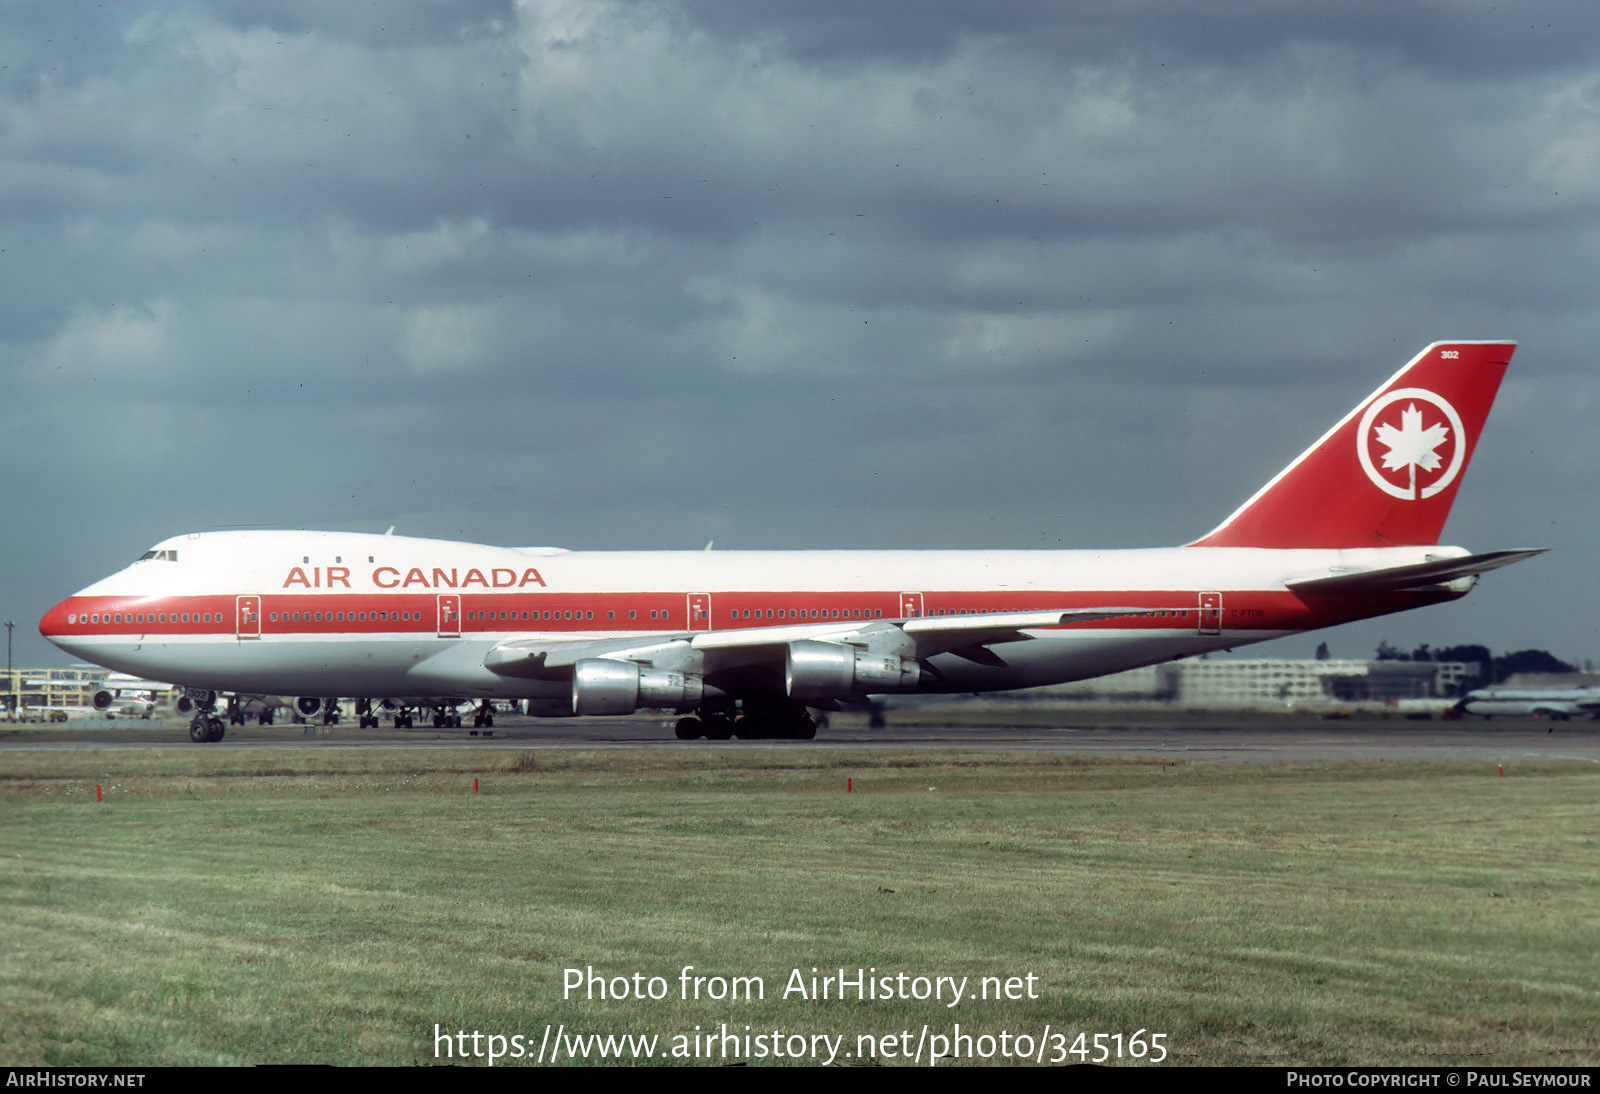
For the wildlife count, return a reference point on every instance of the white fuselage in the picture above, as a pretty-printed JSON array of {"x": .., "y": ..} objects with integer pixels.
[{"x": 325, "y": 613}]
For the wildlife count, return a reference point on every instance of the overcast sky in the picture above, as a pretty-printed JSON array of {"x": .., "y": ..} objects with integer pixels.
[{"x": 785, "y": 274}]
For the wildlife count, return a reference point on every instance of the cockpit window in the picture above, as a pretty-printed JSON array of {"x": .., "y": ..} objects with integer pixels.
[{"x": 168, "y": 556}]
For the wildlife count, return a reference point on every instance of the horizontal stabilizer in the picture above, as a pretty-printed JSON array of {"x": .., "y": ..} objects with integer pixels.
[{"x": 1416, "y": 576}]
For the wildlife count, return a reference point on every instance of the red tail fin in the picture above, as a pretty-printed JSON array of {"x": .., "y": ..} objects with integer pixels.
[{"x": 1386, "y": 475}]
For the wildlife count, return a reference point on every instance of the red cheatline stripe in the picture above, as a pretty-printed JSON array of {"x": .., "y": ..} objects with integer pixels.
[{"x": 478, "y": 612}]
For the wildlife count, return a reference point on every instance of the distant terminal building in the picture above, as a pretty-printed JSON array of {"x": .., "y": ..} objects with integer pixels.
[
  {"x": 1272, "y": 683},
  {"x": 35, "y": 693}
]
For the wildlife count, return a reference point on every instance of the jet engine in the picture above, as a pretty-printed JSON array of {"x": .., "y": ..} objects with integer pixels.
[
  {"x": 832, "y": 670},
  {"x": 603, "y": 686},
  {"x": 102, "y": 700},
  {"x": 308, "y": 705}
]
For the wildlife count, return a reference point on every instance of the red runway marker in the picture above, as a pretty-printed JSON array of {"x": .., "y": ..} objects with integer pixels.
[
  {"x": 474, "y": 784},
  {"x": 1501, "y": 768},
  {"x": 848, "y": 789},
  {"x": 97, "y": 796}
]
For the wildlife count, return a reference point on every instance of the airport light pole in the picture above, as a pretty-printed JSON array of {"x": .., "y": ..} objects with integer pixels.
[{"x": 11, "y": 683}]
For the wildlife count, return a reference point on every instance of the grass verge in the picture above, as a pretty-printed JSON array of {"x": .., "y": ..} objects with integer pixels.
[{"x": 252, "y": 907}]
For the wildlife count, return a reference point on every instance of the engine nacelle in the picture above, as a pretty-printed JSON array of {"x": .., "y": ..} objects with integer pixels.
[
  {"x": 603, "y": 686},
  {"x": 832, "y": 670},
  {"x": 308, "y": 705},
  {"x": 549, "y": 708},
  {"x": 102, "y": 700}
]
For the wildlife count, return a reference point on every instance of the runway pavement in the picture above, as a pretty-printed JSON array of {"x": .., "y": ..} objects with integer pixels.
[{"x": 1189, "y": 737}]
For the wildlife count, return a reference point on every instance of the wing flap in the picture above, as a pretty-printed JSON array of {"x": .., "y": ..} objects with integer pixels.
[
  {"x": 552, "y": 659},
  {"x": 543, "y": 659}
]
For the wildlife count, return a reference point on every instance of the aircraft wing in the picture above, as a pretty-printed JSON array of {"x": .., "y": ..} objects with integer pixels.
[
  {"x": 545, "y": 658},
  {"x": 1415, "y": 576}
]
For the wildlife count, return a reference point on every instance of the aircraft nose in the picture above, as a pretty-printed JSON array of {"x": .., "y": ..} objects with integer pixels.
[{"x": 53, "y": 625}]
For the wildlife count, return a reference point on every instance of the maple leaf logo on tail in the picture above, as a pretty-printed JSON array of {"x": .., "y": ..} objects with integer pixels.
[{"x": 1413, "y": 446}]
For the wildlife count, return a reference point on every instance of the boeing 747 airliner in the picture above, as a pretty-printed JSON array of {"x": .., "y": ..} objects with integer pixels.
[{"x": 746, "y": 642}]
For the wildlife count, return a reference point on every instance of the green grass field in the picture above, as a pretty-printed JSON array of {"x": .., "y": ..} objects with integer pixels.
[{"x": 246, "y": 906}]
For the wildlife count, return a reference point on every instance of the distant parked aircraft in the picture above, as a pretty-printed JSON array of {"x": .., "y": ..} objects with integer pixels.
[{"x": 1557, "y": 703}]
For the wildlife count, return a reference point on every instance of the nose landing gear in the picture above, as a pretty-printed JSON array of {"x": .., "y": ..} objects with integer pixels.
[{"x": 205, "y": 727}]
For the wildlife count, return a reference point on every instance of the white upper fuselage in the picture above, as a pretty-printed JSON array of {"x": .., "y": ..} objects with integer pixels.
[{"x": 330, "y": 613}]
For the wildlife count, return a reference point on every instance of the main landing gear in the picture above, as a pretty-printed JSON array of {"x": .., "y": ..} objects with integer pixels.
[{"x": 774, "y": 720}]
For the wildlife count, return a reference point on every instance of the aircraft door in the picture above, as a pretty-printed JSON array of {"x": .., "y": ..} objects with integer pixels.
[
  {"x": 449, "y": 615},
  {"x": 1210, "y": 613},
  {"x": 910, "y": 605},
  {"x": 248, "y": 609},
  {"x": 699, "y": 611}
]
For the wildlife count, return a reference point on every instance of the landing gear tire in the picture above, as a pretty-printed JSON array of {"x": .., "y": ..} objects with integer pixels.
[
  {"x": 689, "y": 729},
  {"x": 206, "y": 728}
]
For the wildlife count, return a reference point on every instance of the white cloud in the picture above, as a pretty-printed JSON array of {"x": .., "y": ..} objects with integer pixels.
[
  {"x": 122, "y": 340},
  {"x": 445, "y": 339}
]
